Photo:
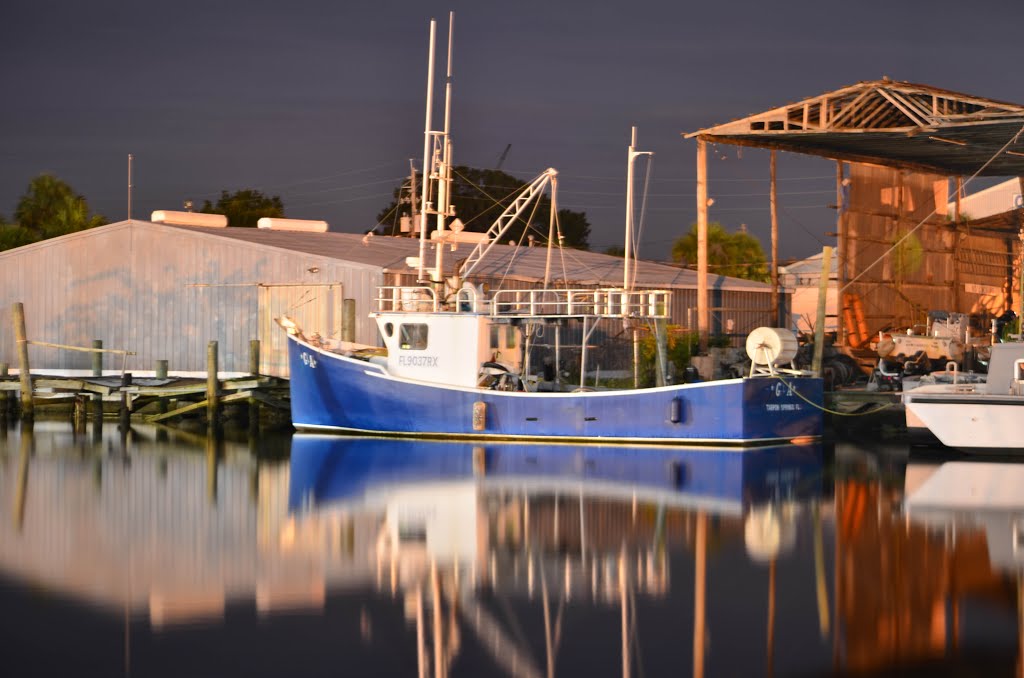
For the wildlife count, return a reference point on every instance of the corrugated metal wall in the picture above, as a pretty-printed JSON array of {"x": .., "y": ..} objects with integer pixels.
[{"x": 163, "y": 293}]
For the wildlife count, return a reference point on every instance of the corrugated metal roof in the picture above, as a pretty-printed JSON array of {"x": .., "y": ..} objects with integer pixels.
[
  {"x": 896, "y": 124},
  {"x": 516, "y": 263},
  {"x": 389, "y": 253}
]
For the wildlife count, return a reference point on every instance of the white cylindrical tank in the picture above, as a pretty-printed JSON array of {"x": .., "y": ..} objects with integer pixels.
[
  {"x": 279, "y": 224},
  {"x": 771, "y": 346},
  {"x": 189, "y": 219}
]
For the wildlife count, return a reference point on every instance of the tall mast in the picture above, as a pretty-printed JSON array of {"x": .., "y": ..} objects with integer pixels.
[
  {"x": 426, "y": 150},
  {"x": 444, "y": 175},
  {"x": 631, "y": 156}
]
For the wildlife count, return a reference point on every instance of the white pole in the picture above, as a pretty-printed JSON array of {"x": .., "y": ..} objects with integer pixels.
[
  {"x": 129, "y": 187},
  {"x": 426, "y": 149},
  {"x": 630, "y": 154},
  {"x": 445, "y": 175},
  {"x": 551, "y": 230}
]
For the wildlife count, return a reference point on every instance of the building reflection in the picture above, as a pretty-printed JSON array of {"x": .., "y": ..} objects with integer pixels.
[{"x": 904, "y": 567}]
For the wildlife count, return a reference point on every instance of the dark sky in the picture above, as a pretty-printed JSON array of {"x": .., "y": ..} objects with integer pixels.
[{"x": 322, "y": 102}]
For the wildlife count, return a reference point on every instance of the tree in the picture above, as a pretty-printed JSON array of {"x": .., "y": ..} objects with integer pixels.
[
  {"x": 738, "y": 255},
  {"x": 480, "y": 196},
  {"x": 245, "y": 207},
  {"x": 50, "y": 207}
]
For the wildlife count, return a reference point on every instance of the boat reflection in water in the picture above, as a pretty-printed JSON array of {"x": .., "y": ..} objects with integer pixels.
[
  {"x": 977, "y": 509},
  {"x": 448, "y": 524}
]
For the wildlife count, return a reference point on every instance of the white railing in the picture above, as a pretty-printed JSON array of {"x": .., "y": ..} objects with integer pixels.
[
  {"x": 530, "y": 303},
  {"x": 602, "y": 303},
  {"x": 397, "y": 299}
]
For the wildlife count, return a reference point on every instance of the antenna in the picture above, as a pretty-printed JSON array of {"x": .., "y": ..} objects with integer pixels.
[
  {"x": 501, "y": 158},
  {"x": 426, "y": 149},
  {"x": 129, "y": 187}
]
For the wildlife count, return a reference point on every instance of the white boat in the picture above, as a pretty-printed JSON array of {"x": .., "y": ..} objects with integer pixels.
[{"x": 975, "y": 416}]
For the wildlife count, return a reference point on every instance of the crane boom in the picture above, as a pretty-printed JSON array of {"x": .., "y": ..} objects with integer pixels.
[{"x": 503, "y": 222}]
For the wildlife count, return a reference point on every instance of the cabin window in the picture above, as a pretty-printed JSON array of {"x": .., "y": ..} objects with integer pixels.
[
  {"x": 413, "y": 336},
  {"x": 509, "y": 332},
  {"x": 389, "y": 329}
]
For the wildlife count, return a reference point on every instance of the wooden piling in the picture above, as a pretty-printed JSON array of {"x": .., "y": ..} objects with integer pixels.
[
  {"x": 254, "y": 357},
  {"x": 124, "y": 411},
  {"x": 212, "y": 386},
  {"x": 254, "y": 405},
  {"x": 161, "y": 373},
  {"x": 3, "y": 394},
  {"x": 97, "y": 358},
  {"x": 79, "y": 414},
  {"x": 21, "y": 338},
  {"x": 97, "y": 371},
  {"x": 819, "y": 321},
  {"x": 348, "y": 323}
]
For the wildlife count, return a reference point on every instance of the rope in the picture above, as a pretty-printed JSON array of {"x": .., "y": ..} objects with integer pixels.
[{"x": 825, "y": 409}]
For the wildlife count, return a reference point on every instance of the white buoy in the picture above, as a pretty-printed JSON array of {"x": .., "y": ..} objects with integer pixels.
[{"x": 771, "y": 346}]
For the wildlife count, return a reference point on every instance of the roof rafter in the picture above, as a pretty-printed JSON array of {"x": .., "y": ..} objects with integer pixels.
[{"x": 890, "y": 123}]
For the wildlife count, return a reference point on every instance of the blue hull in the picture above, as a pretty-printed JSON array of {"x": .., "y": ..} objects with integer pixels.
[
  {"x": 329, "y": 470},
  {"x": 330, "y": 392}
]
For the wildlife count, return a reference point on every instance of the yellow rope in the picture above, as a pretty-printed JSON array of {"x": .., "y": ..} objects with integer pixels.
[{"x": 885, "y": 406}]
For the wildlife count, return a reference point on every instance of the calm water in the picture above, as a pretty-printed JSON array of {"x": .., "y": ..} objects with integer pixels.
[{"x": 157, "y": 554}]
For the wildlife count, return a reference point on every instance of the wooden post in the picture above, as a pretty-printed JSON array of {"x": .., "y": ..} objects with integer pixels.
[
  {"x": 703, "y": 316},
  {"x": 957, "y": 218},
  {"x": 124, "y": 413},
  {"x": 160, "y": 369},
  {"x": 212, "y": 386},
  {"x": 254, "y": 405},
  {"x": 27, "y": 411},
  {"x": 254, "y": 357},
  {"x": 772, "y": 200},
  {"x": 348, "y": 323},
  {"x": 97, "y": 358},
  {"x": 3, "y": 395},
  {"x": 819, "y": 320},
  {"x": 636, "y": 358},
  {"x": 97, "y": 371},
  {"x": 842, "y": 254}
]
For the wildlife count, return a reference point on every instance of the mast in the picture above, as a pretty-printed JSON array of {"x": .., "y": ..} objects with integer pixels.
[
  {"x": 631, "y": 156},
  {"x": 444, "y": 173},
  {"x": 426, "y": 149}
]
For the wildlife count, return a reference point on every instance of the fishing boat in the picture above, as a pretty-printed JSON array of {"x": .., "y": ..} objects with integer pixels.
[
  {"x": 458, "y": 358},
  {"x": 975, "y": 416}
]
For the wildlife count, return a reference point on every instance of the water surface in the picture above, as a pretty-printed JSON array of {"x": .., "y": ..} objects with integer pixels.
[{"x": 164, "y": 554}]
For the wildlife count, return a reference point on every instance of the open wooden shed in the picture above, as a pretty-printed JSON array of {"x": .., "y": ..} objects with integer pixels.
[{"x": 903, "y": 152}]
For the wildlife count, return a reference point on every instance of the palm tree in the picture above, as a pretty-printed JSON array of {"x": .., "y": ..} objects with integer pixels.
[{"x": 738, "y": 255}]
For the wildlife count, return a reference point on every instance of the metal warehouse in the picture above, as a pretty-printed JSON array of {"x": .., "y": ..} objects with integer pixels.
[{"x": 162, "y": 291}]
